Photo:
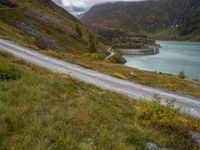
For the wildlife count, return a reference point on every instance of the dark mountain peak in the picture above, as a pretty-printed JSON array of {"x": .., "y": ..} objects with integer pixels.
[{"x": 154, "y": 17}]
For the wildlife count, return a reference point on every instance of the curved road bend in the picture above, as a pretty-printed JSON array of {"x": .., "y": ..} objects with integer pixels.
[{"x": 189, "y": 105}]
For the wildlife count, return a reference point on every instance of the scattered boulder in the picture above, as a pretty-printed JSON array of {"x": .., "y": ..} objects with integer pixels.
[
  {"x": 196, "y": 137},
  {"x": 152, "y": 146}
]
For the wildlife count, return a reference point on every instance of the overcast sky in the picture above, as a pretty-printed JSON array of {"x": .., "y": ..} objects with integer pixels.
[
  {"x": 86, "y": 3},
  {"x": 79, "y": 6}
]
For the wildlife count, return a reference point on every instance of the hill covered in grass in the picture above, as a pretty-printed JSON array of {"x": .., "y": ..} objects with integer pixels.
[
  {"x": 42, "y": 25},
  {"x": 169, "y": 19},
  {"x": 63, "y": 113}
]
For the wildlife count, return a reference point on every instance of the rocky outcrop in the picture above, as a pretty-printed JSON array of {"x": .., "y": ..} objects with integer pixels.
[
  {"x": 8, "y": 3},
  {"x": 152, "y": 146},
  {"x": 42, "y": 40},
  {"x": 117, "y": 58}
]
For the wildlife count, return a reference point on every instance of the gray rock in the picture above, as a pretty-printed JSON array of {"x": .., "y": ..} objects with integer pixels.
[
  {"x": 131, "y": 74},
  {"x": 38, "y": 35},
  {"x": 8, "y": 3},
  {"x": 152, "y": 146},
  {"x": 195, "y": 137}
]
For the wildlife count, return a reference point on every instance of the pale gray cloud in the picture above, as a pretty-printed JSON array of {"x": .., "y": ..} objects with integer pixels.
[
  {"x": 86, "y": 3},
  {"x": 79, "y": 6}
]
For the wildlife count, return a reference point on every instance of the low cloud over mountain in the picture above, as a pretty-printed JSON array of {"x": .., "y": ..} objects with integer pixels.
[{"x": 77, "y": 7}]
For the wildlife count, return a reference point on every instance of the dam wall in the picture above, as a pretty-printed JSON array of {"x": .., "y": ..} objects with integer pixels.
[{"x": 147, "y": 51}]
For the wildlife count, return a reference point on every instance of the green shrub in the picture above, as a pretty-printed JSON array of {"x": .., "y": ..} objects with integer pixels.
[
  {"x": 136, "y": 138},
  {"x": 91, "y": 37},
  {"x": 182, "y": 75},
  {"x": 9, "y": 72},
  {"x": 91, "y": 47},
  {"x": 117, "y": 58},
  {"x": 155, "y": 113},
  {"x": 93, "y": 41},
  {"x": 78, "y": 31},
  {"x": 96, "y": 41}
]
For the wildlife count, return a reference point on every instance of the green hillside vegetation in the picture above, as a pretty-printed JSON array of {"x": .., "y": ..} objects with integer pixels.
[
  {"x": 63, "y": 113},
  {"x": 42, "y": 25}
]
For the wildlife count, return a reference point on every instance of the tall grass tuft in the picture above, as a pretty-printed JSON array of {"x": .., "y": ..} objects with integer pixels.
[{"x": 9, "y": 72}]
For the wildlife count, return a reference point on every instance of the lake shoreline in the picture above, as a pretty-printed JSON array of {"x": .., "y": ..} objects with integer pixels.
[{"x": 174, "y": 57}]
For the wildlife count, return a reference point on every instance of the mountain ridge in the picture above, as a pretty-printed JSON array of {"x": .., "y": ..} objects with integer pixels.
[{"x": 170, "y": 18}]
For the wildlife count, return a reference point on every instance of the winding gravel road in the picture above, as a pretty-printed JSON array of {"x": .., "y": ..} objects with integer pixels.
[{"x": 189, "y": 105}]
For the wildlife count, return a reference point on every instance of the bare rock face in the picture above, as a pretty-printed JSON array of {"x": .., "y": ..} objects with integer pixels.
[
  {"x": 152, "y": 146},
  {"x": 8, "y": 3},
  {"x": 42, "y": 40}
]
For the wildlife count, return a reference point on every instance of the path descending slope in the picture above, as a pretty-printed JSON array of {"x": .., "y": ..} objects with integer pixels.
[{"x": 189, "y": 105}]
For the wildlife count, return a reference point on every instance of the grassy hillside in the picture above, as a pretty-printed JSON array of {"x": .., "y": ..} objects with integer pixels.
[
  {"x": 178, "y": 18},
  {"x": 44, "y": 110},
  {"x": 42, "y": 25}
]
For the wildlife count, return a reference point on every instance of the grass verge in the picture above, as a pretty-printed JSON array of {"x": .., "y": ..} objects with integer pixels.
[
  {"x": 153, "y": 79},
  {"x": 44, "y": 110}
]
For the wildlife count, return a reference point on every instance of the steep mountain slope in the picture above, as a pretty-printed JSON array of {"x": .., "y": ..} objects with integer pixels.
[
  {"x": 164, "y": 18},
  {"x": 42, "y": 25}
]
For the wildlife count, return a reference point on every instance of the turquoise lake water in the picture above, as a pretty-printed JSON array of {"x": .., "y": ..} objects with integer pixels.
[{"x": 174, "y": 57}]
